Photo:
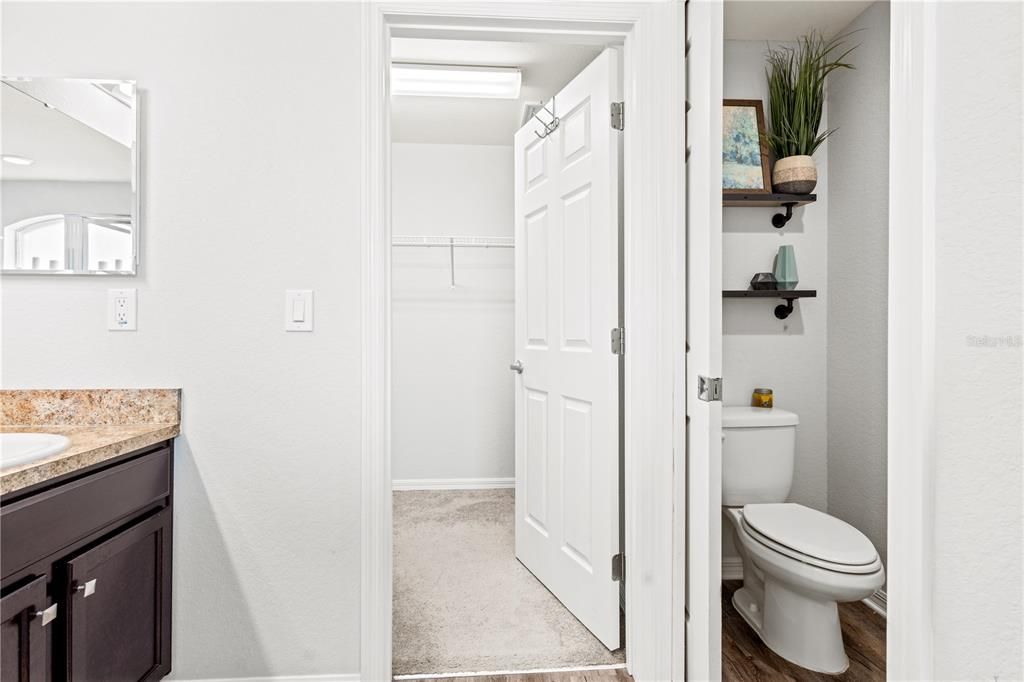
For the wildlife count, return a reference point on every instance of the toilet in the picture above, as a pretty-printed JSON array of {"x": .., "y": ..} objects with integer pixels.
[{"x": 798, "y": 563}]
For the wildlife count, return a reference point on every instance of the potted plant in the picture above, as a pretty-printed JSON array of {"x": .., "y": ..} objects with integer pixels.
[{"x": 796, "y": 95}]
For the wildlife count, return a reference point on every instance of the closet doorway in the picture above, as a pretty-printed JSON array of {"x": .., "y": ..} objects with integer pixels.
[{"x": 506, "y": 393}]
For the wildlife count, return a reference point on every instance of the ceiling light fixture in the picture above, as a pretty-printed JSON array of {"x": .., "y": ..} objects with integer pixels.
[
  {"x": 438, "y": 80},
  {"x": 17, "y": 160}
]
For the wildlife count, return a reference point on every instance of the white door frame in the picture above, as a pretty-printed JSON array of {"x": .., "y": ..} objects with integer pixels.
[
  {"x": 911, "y": 370},
  {"x": 911, "y": 354},
  {"x": 654, "y": 281}
]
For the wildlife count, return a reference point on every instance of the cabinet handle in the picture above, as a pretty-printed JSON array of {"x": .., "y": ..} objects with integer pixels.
[
  {"x": 88, "y": 589},
  {"x": 49, "y": 614}
]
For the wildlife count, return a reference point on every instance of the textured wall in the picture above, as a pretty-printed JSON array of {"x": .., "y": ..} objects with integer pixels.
[
  {"x": 978, "y": 494},
  {"x": 858, "y": 267},
  {"x": 251, "y": 183},
  {"x": 758, "y": 349},
  {"x": 453, "y": 409}
]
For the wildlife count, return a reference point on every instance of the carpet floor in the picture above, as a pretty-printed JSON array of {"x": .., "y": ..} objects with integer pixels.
[{"x": 463, "y": 603}]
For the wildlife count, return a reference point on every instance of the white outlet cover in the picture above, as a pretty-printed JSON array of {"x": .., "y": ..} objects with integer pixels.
[{"x": 122, "y": 310}]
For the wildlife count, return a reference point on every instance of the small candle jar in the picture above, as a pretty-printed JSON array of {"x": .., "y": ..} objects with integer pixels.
[{"x": 762, "y": 397}]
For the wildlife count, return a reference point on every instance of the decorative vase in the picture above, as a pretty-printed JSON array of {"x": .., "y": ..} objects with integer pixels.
[
  {"x": 795, "y": 175},
  {"x": 785, "y": 268},
  {"x": 763, "y": 281}
]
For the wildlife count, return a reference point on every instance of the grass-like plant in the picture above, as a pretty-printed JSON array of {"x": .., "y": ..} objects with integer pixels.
[{"x": 796, "y": 92}]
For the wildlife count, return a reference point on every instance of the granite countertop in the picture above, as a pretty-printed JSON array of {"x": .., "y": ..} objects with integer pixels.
[{"x": 101, "y": 424}]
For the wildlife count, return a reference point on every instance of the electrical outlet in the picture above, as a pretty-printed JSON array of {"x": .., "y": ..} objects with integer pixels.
[{"x": 122, "y": 310}]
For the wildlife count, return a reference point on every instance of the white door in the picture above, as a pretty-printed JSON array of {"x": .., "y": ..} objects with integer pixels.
[
  {"x": 704, "y": 33},
  {"x": 567, "y": 302}
]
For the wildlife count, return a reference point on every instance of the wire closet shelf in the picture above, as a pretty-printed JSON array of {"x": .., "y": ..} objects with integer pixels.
[{"x": 451, "y": 242}]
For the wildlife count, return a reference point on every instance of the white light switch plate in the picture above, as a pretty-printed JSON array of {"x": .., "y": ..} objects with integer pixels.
[
  {"x": 122, "y": 310},
  {"x": 298, "y": 310}
]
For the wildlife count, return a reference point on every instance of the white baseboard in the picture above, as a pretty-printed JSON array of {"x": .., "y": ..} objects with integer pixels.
[
  {"x": 346, "y": 677},
  {"x": 877, "y": 603},
  {"x": 501, "y": 673},
  {"x": 732, "y": 568},
  {"x": 452, "y": 483}
]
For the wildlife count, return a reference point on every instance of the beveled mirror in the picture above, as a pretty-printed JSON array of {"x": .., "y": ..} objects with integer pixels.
[{"x": 69, "y": 176}]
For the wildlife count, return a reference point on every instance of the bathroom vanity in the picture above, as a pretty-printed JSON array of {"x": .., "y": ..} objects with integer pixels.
[{"x": 85, "y": 555}]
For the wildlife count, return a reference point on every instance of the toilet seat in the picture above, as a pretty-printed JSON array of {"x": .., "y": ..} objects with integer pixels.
[{"x": 811, "y": 537}]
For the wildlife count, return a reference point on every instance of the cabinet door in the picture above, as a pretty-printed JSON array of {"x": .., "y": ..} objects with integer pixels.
[
  {"x": 25, "y": 615},
  {"x": 119, "y": 606}
]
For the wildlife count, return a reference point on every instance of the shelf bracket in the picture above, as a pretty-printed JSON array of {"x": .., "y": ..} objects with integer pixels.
[
  {"x": 784, "y": 311},
  {"x": 779, "y": 220}
]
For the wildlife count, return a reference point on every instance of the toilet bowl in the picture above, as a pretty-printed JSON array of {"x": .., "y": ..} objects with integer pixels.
[
  {"x": 790, "y": 591},
  {"x": 798, "y": 563}
]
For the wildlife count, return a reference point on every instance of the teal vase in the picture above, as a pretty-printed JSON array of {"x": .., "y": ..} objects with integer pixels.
[{"x": 785, "y": 268}]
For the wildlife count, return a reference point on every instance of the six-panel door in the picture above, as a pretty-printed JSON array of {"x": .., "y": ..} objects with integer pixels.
[
  {"x": 23, "y": 632},
  {"x": 117, "y": 599}
]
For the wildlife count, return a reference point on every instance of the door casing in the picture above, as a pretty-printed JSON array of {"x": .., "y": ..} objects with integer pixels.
[{"x": 654, "y": 279}]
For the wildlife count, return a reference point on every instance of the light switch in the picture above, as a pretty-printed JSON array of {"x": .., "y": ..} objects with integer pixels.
[
  {"x": 122, "y": 310},
  {"x": 298, "y": 310}
]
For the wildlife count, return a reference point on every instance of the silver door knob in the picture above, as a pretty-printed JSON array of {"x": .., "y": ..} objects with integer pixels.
[
  {"x": 516, "y": 367},
  {"x": 88, "y": 588},
  {"x": 48, "y": 614}
]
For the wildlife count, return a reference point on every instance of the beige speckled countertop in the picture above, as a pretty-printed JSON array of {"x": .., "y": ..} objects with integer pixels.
[{"x": 101, "y": 424}]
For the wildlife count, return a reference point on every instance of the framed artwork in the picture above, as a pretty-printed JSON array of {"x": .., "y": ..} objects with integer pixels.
[{"x": 744, "y": 155}]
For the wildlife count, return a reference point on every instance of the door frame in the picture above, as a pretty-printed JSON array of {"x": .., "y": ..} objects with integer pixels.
[
  {"x": 911, "y": 358},
  {"x": 654, "y": 277}
]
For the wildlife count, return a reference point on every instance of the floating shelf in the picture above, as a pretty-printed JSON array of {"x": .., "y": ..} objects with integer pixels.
[
  {"x": 789, "y": 201},
  {"x": 788, "y": 295}
]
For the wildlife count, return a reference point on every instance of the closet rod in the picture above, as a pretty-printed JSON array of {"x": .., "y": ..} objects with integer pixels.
[{"x": 451, "y": 242}]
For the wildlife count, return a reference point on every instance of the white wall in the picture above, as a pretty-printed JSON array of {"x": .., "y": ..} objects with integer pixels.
[
  {"x": 978, "y": 487},
  {"x": 759, "y": 349},
  {"x": 858, "y": 267},
  {"x": 453, "y": 409},
  {"x": 251, "y": 183}
]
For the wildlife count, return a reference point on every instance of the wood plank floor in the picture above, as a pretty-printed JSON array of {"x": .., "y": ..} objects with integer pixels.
[{"x": 745, "y": 658}]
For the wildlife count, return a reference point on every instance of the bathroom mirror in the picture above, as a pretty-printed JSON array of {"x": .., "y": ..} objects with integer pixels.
[{"x": 69, "y": 176}]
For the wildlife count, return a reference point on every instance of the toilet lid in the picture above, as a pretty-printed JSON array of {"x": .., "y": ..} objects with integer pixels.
[{"x": 811, "y": 532}]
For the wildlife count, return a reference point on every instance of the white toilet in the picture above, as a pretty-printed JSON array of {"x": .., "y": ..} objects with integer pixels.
[{"x": 797, "y": 562}]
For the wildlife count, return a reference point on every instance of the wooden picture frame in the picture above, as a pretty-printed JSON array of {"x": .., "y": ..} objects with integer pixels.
[{"x": 745, "y": 165}]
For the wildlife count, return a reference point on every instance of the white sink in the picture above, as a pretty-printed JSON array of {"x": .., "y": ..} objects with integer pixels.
[{"x": 22, "y": 448}]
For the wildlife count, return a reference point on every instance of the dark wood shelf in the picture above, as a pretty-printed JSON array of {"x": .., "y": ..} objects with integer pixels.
[
  {"x": 788, "y": 201},
  {"x": 767, "y": 200},
  {"x": 782, "y": 311},
  {"x": 770, "y": 293}
]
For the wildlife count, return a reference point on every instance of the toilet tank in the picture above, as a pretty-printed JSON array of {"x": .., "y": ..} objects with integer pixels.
[{"x": 758, "y": 447}]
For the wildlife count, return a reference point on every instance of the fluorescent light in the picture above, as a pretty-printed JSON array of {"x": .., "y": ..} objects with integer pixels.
[
  {"x": 438, "y": 80},
  {"x": 17, "y": 160}
]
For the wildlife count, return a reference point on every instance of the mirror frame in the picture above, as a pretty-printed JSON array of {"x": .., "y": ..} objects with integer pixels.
[{"x": 135, "y": 178}]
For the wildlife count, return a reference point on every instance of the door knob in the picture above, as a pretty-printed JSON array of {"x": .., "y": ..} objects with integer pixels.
[
  {"x": 48, "y": 614},
  {"x": 87, "y": 589},
  {"x": 516, "y": 367}
]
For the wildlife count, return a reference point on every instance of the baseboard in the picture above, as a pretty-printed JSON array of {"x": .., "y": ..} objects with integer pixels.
[
  {"x": 732, "y": 568},
  {"x": 452, "y": 483},
  {"x": 503, "y": 673},
  {"x": 346, "y": 677},
  {"x": 877, "y": 603}
]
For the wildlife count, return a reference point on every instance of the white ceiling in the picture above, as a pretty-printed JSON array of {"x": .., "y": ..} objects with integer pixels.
[
  {"x": 788, "y": 19},
  {"x": 61, "y": 147},
  {"x": 546, "y": 68}
]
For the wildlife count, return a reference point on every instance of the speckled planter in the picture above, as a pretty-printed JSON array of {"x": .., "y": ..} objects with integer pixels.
[{"x": 795, "y": 175}]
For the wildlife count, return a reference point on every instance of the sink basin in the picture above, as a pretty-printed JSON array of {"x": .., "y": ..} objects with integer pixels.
[{"x": 22, "y": 448}]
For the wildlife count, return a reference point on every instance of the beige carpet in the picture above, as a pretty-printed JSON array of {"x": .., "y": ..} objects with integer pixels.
[{"x": 462, "y": 601}]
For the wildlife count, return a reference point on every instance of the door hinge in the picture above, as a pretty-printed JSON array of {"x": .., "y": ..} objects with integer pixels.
[
  {"x": 619, "y": 341},
  {"x": 619, "y": 567},
  {"x": 619, "y": 115},
  {"x": 709, "y": 388}
]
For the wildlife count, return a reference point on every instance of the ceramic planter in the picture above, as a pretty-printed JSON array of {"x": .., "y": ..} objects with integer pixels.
[{"x": 795, "y": 175}]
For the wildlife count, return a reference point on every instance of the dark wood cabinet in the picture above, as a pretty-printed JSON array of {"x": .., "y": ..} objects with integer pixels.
[
  {"x": 25, "y": 615},
  {"x": 94, "y": 548}
]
